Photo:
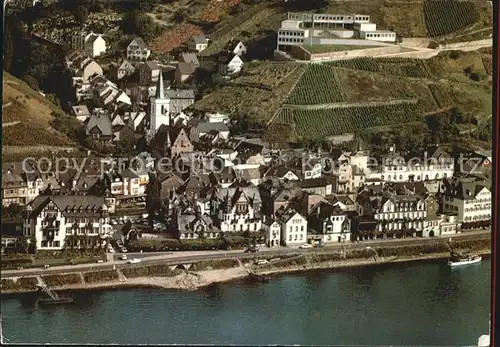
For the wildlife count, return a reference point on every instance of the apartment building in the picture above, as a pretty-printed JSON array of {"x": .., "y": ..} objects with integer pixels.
[
  {"x": 469, "y": 201},
  {"x": 66, "y": 220}
]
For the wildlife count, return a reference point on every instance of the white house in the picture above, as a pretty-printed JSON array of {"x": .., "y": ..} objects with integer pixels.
[
  {"x": 433, "y": 164},
  {"x": 197, "y": 43},
  {"x": 328, "y": 224},
  {"x": 273, "y": 232},
  {"x": 442, "y": 225},
  {"x": 138, "y": 50},
  {"x": 236, "y": 47},
  {"x": 469, "y": 201},
  {"x": 237, "y": 208},
  {"x": 92, "y": 44},
  {"x": 229, "y": 63},
  {"x": 52, "y": 220},
  {"x": 95, "y": 45},
  {"x": 81, "y": 112},
  {"x": 293, "y": 227}
]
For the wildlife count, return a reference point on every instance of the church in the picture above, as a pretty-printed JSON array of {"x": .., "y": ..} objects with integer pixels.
[{"x": 166, "y": 104}]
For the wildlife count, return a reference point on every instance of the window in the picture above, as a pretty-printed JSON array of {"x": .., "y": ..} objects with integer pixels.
[
  {"x": 301, "y": 228},
  {"x": 290, "y": 237},
  {"x": 57, "y": 243}
]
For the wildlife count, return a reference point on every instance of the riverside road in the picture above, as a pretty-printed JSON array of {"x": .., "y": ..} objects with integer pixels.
[{"x": 176, "y": 258}]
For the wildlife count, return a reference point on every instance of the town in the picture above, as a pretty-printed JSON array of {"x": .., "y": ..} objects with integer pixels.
[{"x": 155, "y": 170}]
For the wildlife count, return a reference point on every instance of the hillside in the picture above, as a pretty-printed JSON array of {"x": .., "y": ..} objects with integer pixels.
[
  {"x": 256, "y": 21},
  {"x": 27, "y": 119},
  {"x": 333, "y": 98}
]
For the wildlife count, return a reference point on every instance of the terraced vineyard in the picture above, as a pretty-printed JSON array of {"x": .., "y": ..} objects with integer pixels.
[
  {"x": 442, "y": 94},
  {"x": 266, "y": 74},
  {"x": 388, "y": 66},
  {"x": 447, "y": 16},
  {"x": 337, "y": 121},
  {"x": 318, "y": 85}
]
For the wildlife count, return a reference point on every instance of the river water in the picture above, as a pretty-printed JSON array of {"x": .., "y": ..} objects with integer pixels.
[{"x": 423, "y": 303}]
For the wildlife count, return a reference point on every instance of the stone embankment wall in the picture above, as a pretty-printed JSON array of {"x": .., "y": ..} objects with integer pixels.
[{"x": 205, "y": 273}]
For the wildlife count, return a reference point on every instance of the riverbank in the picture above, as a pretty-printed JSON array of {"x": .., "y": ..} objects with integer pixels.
[{"x": 194, "y": 280}]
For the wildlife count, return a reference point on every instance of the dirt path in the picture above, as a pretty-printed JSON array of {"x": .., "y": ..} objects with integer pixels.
[
  {"x": 9, "y": 124},
  {"x": 351, "y": 104}
]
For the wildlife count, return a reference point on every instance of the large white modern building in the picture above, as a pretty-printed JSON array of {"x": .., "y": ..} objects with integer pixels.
[{"x": 331, "y": 29}]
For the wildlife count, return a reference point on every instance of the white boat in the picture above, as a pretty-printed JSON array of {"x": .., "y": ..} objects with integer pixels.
[
  {"x": 465, "y": 261},
  {"x": 484, "y": 341}
]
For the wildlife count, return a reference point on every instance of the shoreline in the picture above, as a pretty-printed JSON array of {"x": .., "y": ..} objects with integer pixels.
[{"x": 192, "y": 281}]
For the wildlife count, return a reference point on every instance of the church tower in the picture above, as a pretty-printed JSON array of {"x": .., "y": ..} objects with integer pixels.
[{"x": 160, "y": 107}]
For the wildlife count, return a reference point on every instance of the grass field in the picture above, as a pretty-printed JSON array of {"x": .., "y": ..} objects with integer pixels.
[
  {"x": 252, "y": 103},
  {"x": 34, "y": 114}
]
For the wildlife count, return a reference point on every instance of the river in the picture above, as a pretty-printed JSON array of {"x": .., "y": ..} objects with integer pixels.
[{"x": 423, "y": 303}]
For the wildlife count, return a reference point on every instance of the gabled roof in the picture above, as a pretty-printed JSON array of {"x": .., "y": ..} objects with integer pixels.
[
  {"x": 285, "y": 214},
  {"x": 81, "y": 110},
  {"x": 69, "y": 204},
  {"x": 140, "y": 42},
  {"x": 226, "y": 57},
  {"x": 205, "y": 127},
  {"x": 189, "y": 58},
  {"x": 179, "y": 94},
  {"x": 186, "y": 68},
  {"x": 199, "y": 38},
  {"x": 231, "y": 45},
  {"x": 102, "y": 122},
  {"x": 152, "y": 65}
]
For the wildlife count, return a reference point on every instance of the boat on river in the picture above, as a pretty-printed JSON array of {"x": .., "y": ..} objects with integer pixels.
[
  {"x": 258, "y": 278},
  {"x": 58, "y": 301},
  {"x": 472, "y": 259},
  {"x": 51, "y": 297}
]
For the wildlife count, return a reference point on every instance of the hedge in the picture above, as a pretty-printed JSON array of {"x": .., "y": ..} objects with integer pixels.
[
  {"x": 71, "y": 254},
  {"x": 25, "y": 283},
  {"x": 185, "y": 245},
  {"x": 151, "y": 271},
  {"x": 100, "y": 276},
  {"x": 214, "y": 264},
  {"x": 61, "y": 280}
]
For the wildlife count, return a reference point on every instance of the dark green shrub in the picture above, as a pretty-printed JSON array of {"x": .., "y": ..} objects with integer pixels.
[
  {"x": 61, "y": 280},
  {"x": 100, "y": 276}
]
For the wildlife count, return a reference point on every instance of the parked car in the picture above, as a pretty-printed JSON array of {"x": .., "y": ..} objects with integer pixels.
[
  {"x": 123, "y": 257},
  {"x": 113, "y": 222},
  {"x": 124, "y": 250},
  {"x": 100, "y": 261},
  {"x": 251, "y": 250},
  {"x": 305, "y": 246},
  {"x": 134, "y": 261},
  {"x": 261, "y": 262}
]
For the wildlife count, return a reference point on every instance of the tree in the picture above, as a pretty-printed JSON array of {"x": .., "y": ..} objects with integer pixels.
[
  {"x": 8, "y": 46},
  {"x": 81, "y": 14},
  {"x": 31, "y": 81},
  {"x": 137, "y": 23}
]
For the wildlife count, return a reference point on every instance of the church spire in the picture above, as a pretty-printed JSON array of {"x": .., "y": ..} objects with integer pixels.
[{"x": 160, "y": 92}]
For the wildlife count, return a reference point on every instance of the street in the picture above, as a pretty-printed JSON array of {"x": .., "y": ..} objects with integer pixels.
[{"x": 175, "y": 258}]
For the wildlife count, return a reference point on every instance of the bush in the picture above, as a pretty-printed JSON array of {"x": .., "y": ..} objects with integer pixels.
[
  {"x": 31, "y": 81},
  {"x": 151, "y": 271},
  {"x": 186, "y": 245},
  {"x": 100, "y": 276},
  {"x": 25, "y": 283},
  {"x": 61, "y": 280},
  {"x": 214, "y": 264}
]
